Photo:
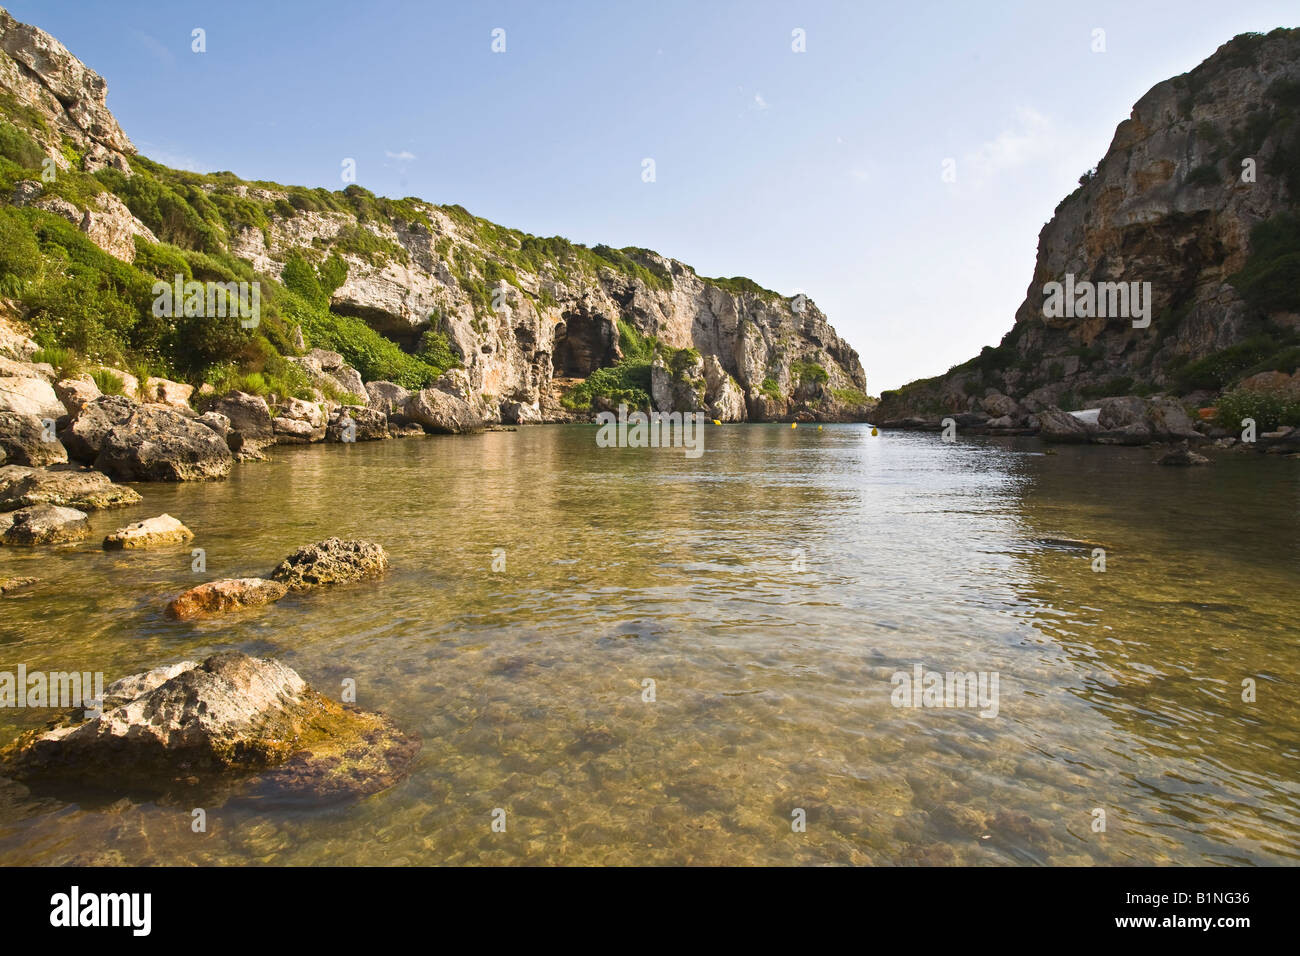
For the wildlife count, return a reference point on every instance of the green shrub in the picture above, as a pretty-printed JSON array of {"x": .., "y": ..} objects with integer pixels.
[
  {"x": 625, "y": 383},
  {"x": 1269, "y": 409},
  {"x": 1220, "y": 369},
  {"x": 850, "y": 396},
  {"x": 771, "y": 388},
  {"x": 108, "y": 383},
  {"x": 808, "y": 372},
  {"x": 1270, "y": 280}
]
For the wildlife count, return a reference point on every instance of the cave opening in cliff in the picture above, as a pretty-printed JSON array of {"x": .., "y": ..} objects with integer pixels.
[{"x": 583, "y": 343}]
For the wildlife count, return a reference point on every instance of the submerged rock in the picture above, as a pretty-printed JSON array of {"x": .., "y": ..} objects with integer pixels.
[
  {"x": 230, "y": 713},
  {"x": 332, "y": 561},
  {"x": 221, "y": 597},
  {"x": 43, "y": 524},
  {"x": 21, "y": 486},
  {"x": 150, "y": 533},
  {"x": 8, "y": 584},
  {"x": 1183, "y": 456}
]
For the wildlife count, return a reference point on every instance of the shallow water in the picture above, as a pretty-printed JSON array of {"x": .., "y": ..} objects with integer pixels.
[{"x": 770, "y": 589}]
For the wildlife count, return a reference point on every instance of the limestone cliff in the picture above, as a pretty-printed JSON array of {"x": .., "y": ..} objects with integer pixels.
[{"x": 1177, "y": 201}]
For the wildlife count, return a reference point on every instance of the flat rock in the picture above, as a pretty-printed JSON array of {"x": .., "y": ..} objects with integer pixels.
[
  {"x": 149, "y": 533},
  {"x": 68, "y": 487},
  {"x": 332, "y": 561},
  {"x": 221, "y": 597},
  {"x": 43, "y": 524},
  {"x": 228, "y": 716}
]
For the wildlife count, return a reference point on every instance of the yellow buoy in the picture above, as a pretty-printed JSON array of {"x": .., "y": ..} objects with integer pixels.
[
  {"x": 874, "y": 432},
  {"x": 819, "y": 428},
  {"x": 716, "y": 422},
  {"x": 794, "y": 424}
]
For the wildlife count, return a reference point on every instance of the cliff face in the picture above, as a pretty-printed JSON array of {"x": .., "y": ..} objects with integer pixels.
[
  {"x": 57, "y": 96},
  {"x": 527, "y": 336},
  {"x": 526, "y": 319},
  {"x": 1170, "y": 204}
]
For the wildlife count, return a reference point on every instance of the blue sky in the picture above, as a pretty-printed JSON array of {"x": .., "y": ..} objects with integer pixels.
[{"x": 817, "y": 171}]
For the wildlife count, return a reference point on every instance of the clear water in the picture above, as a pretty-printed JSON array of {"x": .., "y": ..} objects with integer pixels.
[{"x": 1119, "y": 691}]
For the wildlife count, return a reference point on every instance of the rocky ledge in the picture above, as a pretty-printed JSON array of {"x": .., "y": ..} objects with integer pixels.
[{"x": 192, "y": 723}]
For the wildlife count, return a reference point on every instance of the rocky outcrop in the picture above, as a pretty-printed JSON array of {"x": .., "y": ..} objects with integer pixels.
[
  {"x": 222, "y": 597},
  {"x": 43, "y": 524},
  {"x": 79, "y": 488},
  {"x": 157, "y": 443},
  {"x": 1171, "y": 205},
  {"x": 230, "y": 714},
  {"x": 149, "y": 533},
  {"x": 332, "y": 561},
  {"x": 70, "y": 98},
  {"x": 1183, "y": 457}
]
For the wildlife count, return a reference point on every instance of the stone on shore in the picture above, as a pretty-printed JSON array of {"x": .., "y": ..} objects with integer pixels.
[
  {"x": 88, "y": 428},
  {"x": 26, "y": 440},
  {"x": 69, "y": 487},
  {"x": 149, "y": 533},
  {"x": 332, "y": 561},
  {"x": 230, "y": 714},
  {"x": 158, "y": 443},
  {"x": 43, "y": 524},
  {"x": 224, "y": 596},
  {"x": 29, "y": 396},
  {"x": 367, "y": 425},
  {"x": 249, "y": 429}
]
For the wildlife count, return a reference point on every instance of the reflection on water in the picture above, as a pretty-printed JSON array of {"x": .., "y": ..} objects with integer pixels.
[{"x": 769, "y": 590}]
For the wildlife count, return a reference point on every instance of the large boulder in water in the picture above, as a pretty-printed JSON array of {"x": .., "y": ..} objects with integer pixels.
[
  {"x": 158, "y": 443},
  {"x": 439, "y": 411},
  {"x": 332, "y": 561},
  {"x": 1058, "y": 426},
  {"x": 232, "y": 712}
]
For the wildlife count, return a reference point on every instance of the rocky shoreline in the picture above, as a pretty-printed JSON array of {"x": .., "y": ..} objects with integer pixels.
[{"x": 1128, "y": 420}]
